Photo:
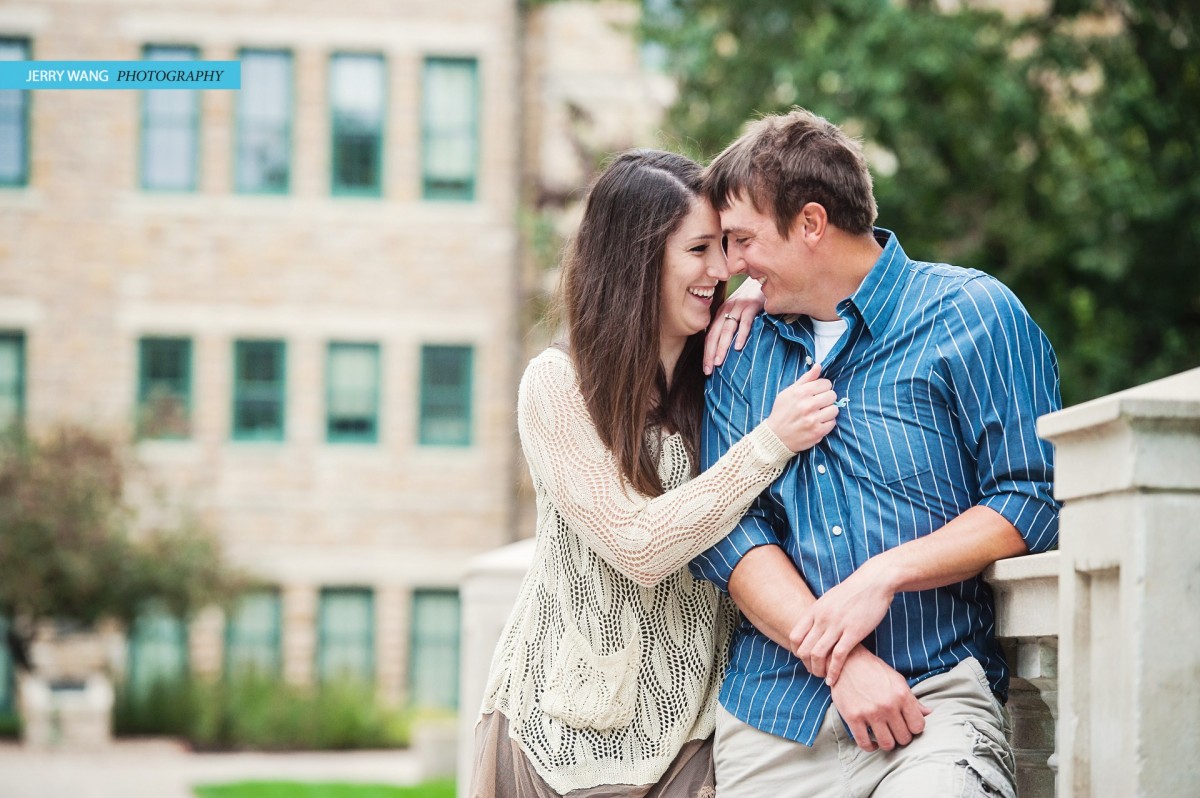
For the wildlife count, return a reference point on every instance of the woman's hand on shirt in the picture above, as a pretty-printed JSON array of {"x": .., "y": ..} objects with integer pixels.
[{"x": 804, "y": 412}]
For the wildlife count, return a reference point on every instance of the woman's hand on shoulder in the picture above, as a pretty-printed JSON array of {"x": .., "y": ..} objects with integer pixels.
[
  {"x": 732, "y": 323},
  {"x": 804, "y": 412}
]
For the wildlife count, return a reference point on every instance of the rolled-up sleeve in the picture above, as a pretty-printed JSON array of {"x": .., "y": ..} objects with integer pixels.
[
  {"x": 1005, "y": 376},
  {"x": 727, "y": 421}
]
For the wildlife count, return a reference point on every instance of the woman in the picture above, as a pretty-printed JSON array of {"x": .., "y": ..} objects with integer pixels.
[{"x": 605, "y": 679}]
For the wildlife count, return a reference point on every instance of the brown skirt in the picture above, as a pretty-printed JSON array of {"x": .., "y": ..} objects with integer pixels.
[{"x": 503, "y": 771}]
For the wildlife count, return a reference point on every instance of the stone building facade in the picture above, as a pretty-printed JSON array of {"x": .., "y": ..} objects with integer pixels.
[{"x": 304, "y": 299}]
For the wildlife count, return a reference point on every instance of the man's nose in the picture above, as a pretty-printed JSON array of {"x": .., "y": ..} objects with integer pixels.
[{"x": 734, "y": 262}]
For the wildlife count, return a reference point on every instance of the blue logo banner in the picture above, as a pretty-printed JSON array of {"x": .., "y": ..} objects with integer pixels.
[{"x": 120, "y": 74}]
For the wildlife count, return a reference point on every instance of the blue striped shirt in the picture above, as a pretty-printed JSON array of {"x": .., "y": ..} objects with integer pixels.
[{"x": 946, "y": 374}]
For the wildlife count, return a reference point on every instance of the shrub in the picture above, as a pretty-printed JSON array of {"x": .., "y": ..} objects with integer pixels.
[{"x": 262, "y": 713}]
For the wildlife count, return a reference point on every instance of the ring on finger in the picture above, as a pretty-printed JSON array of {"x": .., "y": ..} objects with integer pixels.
[{"x": 731, "y": 317}]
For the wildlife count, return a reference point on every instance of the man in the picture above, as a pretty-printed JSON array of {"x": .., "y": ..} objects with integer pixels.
[{"x": 871, "y": 666}]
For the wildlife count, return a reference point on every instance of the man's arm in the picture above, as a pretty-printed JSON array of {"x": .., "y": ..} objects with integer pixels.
[
  {"x": 872, "y": 697},
  {"x": 829, "y": 629},
  {"x": 1003, "y": 375}
]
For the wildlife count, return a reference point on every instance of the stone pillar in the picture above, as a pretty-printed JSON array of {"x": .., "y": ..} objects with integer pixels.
[
  {"x": 299, "y": 633},
  {"x": 1026, "y": 590},
  {"x": 489, "y": 591},
  {"x": 391, "y": 608},
  {"x": 1128, "y": 472}
]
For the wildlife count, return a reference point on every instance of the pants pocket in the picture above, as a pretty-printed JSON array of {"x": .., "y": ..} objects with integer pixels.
[{"x": 991, "y": 762}]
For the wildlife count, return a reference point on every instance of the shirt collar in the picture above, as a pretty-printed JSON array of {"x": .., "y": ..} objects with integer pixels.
[{"x": 878, "y": 294}]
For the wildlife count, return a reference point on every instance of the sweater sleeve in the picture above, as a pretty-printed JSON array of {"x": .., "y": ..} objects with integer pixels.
[{"x": 644, "y": 538}]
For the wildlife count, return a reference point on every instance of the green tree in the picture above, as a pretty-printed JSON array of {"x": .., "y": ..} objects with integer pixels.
[
  {"x": 1056, "y": 151},
  {"x": 74, "y": 548}
]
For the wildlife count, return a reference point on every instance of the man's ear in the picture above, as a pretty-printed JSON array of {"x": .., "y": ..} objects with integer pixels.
[{"x": 811, "y": 223}]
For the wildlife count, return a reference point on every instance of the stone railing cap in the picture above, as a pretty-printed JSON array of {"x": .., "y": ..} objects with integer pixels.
[
  {"x": 506, "y": 559},
  {"x": 1177, "y": 396}
]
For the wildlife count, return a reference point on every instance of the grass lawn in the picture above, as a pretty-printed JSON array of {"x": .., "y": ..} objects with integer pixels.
[{"x": 295, "y": 789}]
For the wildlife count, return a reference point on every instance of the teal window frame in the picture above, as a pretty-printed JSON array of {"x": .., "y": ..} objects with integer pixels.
[
  {"x": 16, "y": 389},
  {"x": 338, "y": 125},
  {"x": 335, "y": 430},
  {"x": 237, "y": 638},
  {"x": 152, "y": 390},
  {"x": 438, "y": 401},
  {"x": 22, "y": 98},
  {"x": 8, "y": 674},
  {"x": 246, "y": 392},
  {"x": 155, "y": 626},
  {"x": 330, "y": 637},
  {"x": 435, "y": 133},
  {"x": 181, "y": 121},
  {"x": 440, "y": 646},
  {"x": 248, "y": 128}
]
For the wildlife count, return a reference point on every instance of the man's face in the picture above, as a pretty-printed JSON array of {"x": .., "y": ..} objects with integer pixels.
[{"x": 782, "y": 266}]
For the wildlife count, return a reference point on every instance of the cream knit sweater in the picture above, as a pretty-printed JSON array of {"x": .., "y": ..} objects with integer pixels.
[{"x": 613, "y": 655}]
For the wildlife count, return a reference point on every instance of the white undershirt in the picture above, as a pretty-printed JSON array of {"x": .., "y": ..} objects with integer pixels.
[{"x": 826, "y": 334}]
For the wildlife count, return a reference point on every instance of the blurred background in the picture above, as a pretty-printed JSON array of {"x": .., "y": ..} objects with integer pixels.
[{"x": 259, "y": 349}]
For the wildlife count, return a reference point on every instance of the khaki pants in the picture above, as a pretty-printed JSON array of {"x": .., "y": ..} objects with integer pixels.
[{"x": 963, "y": 751}]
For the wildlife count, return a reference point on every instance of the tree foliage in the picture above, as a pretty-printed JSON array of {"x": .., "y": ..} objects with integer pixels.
[
  {"x": 1057, "y": 151},
  {"x": 74, "y": 548}
]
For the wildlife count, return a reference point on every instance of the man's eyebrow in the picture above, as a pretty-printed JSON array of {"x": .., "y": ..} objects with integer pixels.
[{"x": 731, "y": 231}]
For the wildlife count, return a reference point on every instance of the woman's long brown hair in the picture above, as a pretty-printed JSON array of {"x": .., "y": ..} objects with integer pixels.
[{"x": 611, "y": 297}]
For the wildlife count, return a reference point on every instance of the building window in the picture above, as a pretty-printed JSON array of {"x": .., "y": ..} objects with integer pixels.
[
  {"x": 164, "y": 387},
  {"x": 8, "y": 677},
  {"x": 445, "y": 396},
  {"x": 170, "y": 129},
  {"x": 158, "y": 652},
  {"x": 433, "y": 675},
  {"x": 346, "y": 635},
  {"x": 353, "y": 393},
  {"x": 357, "y": 100},
  {"x": 12, "y": 379},
  {"x": 252, "y": 635},
  {"x": 450, "y": 128},
  {"x": 259, "y": 391},
  {"x": 14, "y": 121},
  {"x": 264, "y": 133}
]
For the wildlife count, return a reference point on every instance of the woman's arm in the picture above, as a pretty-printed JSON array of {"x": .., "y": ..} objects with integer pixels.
[{"x": 647, "y": 539}]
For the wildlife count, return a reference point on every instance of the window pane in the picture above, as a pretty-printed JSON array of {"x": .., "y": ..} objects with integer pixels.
[
  {"x": 357, "y": 91},
  {"x": 12, "y": 379},
  {"x": 435, "y": 649},
  {"x": 345, "y": 648},
  {"x": 446, "y": 395},
  {"x": 14, "y": 121},
  {"x": 264, "y": 121},
  {"x": 170, "y": 127},
  {"x": 7, "y": 674},
  {"x": 258, "y": 402},
  {"x": 449, "y": 124},
  {"x": 252, "y": 639},
  {"x": 164, "y": 390},
  {"x": 157, "y": 651},
  {"x": 353, "y": 392}
]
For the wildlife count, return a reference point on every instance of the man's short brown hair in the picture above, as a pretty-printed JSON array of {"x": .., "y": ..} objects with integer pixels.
[{"x": 783, "y": 162}]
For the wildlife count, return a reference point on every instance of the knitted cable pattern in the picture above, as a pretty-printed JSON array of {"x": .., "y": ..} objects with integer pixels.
[{"x": 613, "y": 655}]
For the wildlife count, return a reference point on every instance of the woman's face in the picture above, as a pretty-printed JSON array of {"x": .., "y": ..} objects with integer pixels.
[{"x": 692, "y": 267}]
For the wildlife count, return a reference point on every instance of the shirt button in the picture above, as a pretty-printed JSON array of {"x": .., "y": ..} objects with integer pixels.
[
  {"x": 837, "y": 530},
  {"x": 820, "y": 469},
  {"x": 808, "y": 361}
]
